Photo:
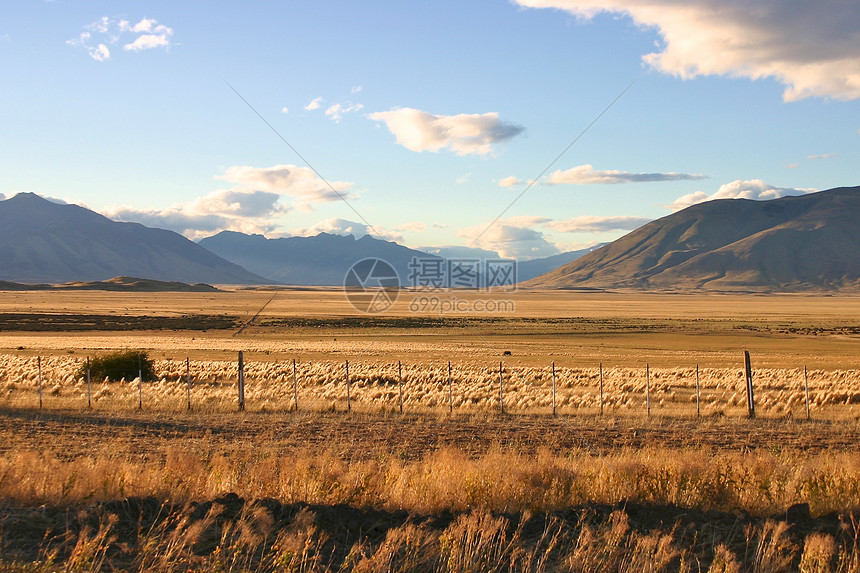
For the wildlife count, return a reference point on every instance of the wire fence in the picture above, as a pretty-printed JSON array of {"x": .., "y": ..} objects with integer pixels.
[{"x": 52, "y": 382}]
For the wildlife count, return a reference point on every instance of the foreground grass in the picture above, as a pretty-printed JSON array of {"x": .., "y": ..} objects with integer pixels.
[{"x": 187, "y": 502}]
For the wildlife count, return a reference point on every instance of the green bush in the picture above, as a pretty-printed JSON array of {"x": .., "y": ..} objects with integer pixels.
[{"x": 118, "y": 365}]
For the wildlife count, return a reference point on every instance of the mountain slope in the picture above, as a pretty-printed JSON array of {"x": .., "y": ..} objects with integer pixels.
[
  {"x": 791, "y": 244},
  {"x": 527, "y": 270},
  {"x": 320, "y": 260},
  {"x": 42, "y": 241}
]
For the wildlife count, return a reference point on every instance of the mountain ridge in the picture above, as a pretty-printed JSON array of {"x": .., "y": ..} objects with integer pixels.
[
  {"x": 792, "y": 244},
  {"x": 46, "y": 242}
]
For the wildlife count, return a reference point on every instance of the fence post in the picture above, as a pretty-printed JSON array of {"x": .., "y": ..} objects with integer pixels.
[
  {"x": 450, "y": 391},
  {"x": 39, "y": 364},
  {"x": 188, "y": 382},
  {"x": 295, "y": 387},
  {"x": 348, "y": 399},
  {"x": 601, "y": 388},
  {"x": 89, "y": 386},
  {"x": 139, "y": 383},
  {"x": 501, "y": 391},
  {"x": 806, "y": 387},
  {"x": 241, "y": 381},
  {"x": 400, "y": 385},
  {"x": 648, "y": 389},
  {"x": 749, "y": 380},
  {"x": 697, "y": 391},
  {"x": 553, "y": 389}
]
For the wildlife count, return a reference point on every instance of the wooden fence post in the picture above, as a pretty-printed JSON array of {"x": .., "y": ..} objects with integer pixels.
[
  {"x": 601, "y": 388},
  {"x": 749, "y": 380},
  {"x": 188, "y": 382},
  {"x": 806, "y": 387},
  {"x": 241, "y": 381},
  {"x": 39, "y": 364},
  {"x": 501, "y": 391},
  {"x": 648, "y": 389},
  {"x": 400, "y": 385},
  {"x": 139, "y": 383},
  {"x": 450, "y": 391},
  {"x": 698, "y": 411},
  {"x": 89, "y": 386},
  {"x": 348, "y": 399},
  {"x": 295, "y": 387},
  {"x": 553, "y": 389}
]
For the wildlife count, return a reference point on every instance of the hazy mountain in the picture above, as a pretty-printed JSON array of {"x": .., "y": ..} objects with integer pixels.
[
  {"x": 42, "y": 241},
  {"x": 791, "y": 244},
  {"x": 320, "y": 260},
  {"x": 527, "y": 270},
  {"x": 458, "y": 252}
]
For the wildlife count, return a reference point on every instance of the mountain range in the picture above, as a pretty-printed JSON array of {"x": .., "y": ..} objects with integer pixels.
[
  {"x": 792, "y": 244},
  {"x": 321, "y": 260}
]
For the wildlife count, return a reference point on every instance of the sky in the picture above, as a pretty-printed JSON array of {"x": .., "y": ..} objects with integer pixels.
[{"x": 524, "y": 127}]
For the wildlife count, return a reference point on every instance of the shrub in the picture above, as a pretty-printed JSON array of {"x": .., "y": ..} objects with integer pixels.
[{"x": 118, "y": 365}]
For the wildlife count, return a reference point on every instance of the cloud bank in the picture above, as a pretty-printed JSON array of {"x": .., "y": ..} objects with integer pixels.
[
  {"x": 464, "y": 134},
  {"x": 597, "y": 224},
  {"x": 587, "y": 175},
  {"x": 753, "y": 189},
  {"x": 257, "y": 198},
  {"x": 809, "y": 46}
]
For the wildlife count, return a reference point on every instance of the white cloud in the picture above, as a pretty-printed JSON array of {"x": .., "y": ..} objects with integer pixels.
[
  {"x": 314, "y": 104},
  {"x": 597, "y": 224},
  {"x": 337, "y": 110},
  {"x": 147, "y": 42},
  {"x": 355, "y": 89},
  {"x": 754, "y": 189},
  {"x": 147, "y": 34},
  {"x": 792, "y": 166},
  {"x": 415, "y": 226},
  {"x": 809, "y": 46},
  {"x": 587, "y": 175},
  {"x": 510, "y": 181},
  {"x": 464, "y": 134},
  {"x": 5, "y": 38},
  {"x": 285, "y": 110},
  {"x": 99, "y": 53},
  {"x": 243, "y": 211},
  {"x": 300, "y": 183},
  {"x": 335, "y": 226},
  {"x": 463, "y": 179},
  {"x": 512, "y": 238},
  {"x": 259, "y": 196},
  {"x": 822, "y": 156}
]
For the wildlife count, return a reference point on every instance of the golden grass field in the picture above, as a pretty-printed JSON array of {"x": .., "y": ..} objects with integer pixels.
[{"x": 452, "y": 484}]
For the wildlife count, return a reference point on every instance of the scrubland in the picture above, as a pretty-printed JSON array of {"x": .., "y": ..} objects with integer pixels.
[{"x": 470, "y": 476}]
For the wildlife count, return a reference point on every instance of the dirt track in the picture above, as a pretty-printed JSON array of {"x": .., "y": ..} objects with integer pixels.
[{"x": 361, "y": 435}]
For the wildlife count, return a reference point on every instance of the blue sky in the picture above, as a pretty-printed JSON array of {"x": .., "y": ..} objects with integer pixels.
[{"x": 426, "y": 120}]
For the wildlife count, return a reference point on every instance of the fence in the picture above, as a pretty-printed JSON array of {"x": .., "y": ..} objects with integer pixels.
[{"x": 394, "y": 386}]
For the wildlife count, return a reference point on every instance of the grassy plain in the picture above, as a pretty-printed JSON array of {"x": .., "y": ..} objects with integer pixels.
[{"x": 431, "y": 490}]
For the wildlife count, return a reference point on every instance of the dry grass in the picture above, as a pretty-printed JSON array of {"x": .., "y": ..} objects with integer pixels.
[{"x": 163, "y": 490}]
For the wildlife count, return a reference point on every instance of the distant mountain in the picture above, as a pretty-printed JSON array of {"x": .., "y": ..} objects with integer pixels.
[
  {"x": 527, "y": 270},
  {"x": 320, "y": 260},
  {"x": 792, "y": 244},
  {"x": 458, "y": 252},
  {"x": 46, "y": 242},
  {"x": 119, "y": 284}
]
